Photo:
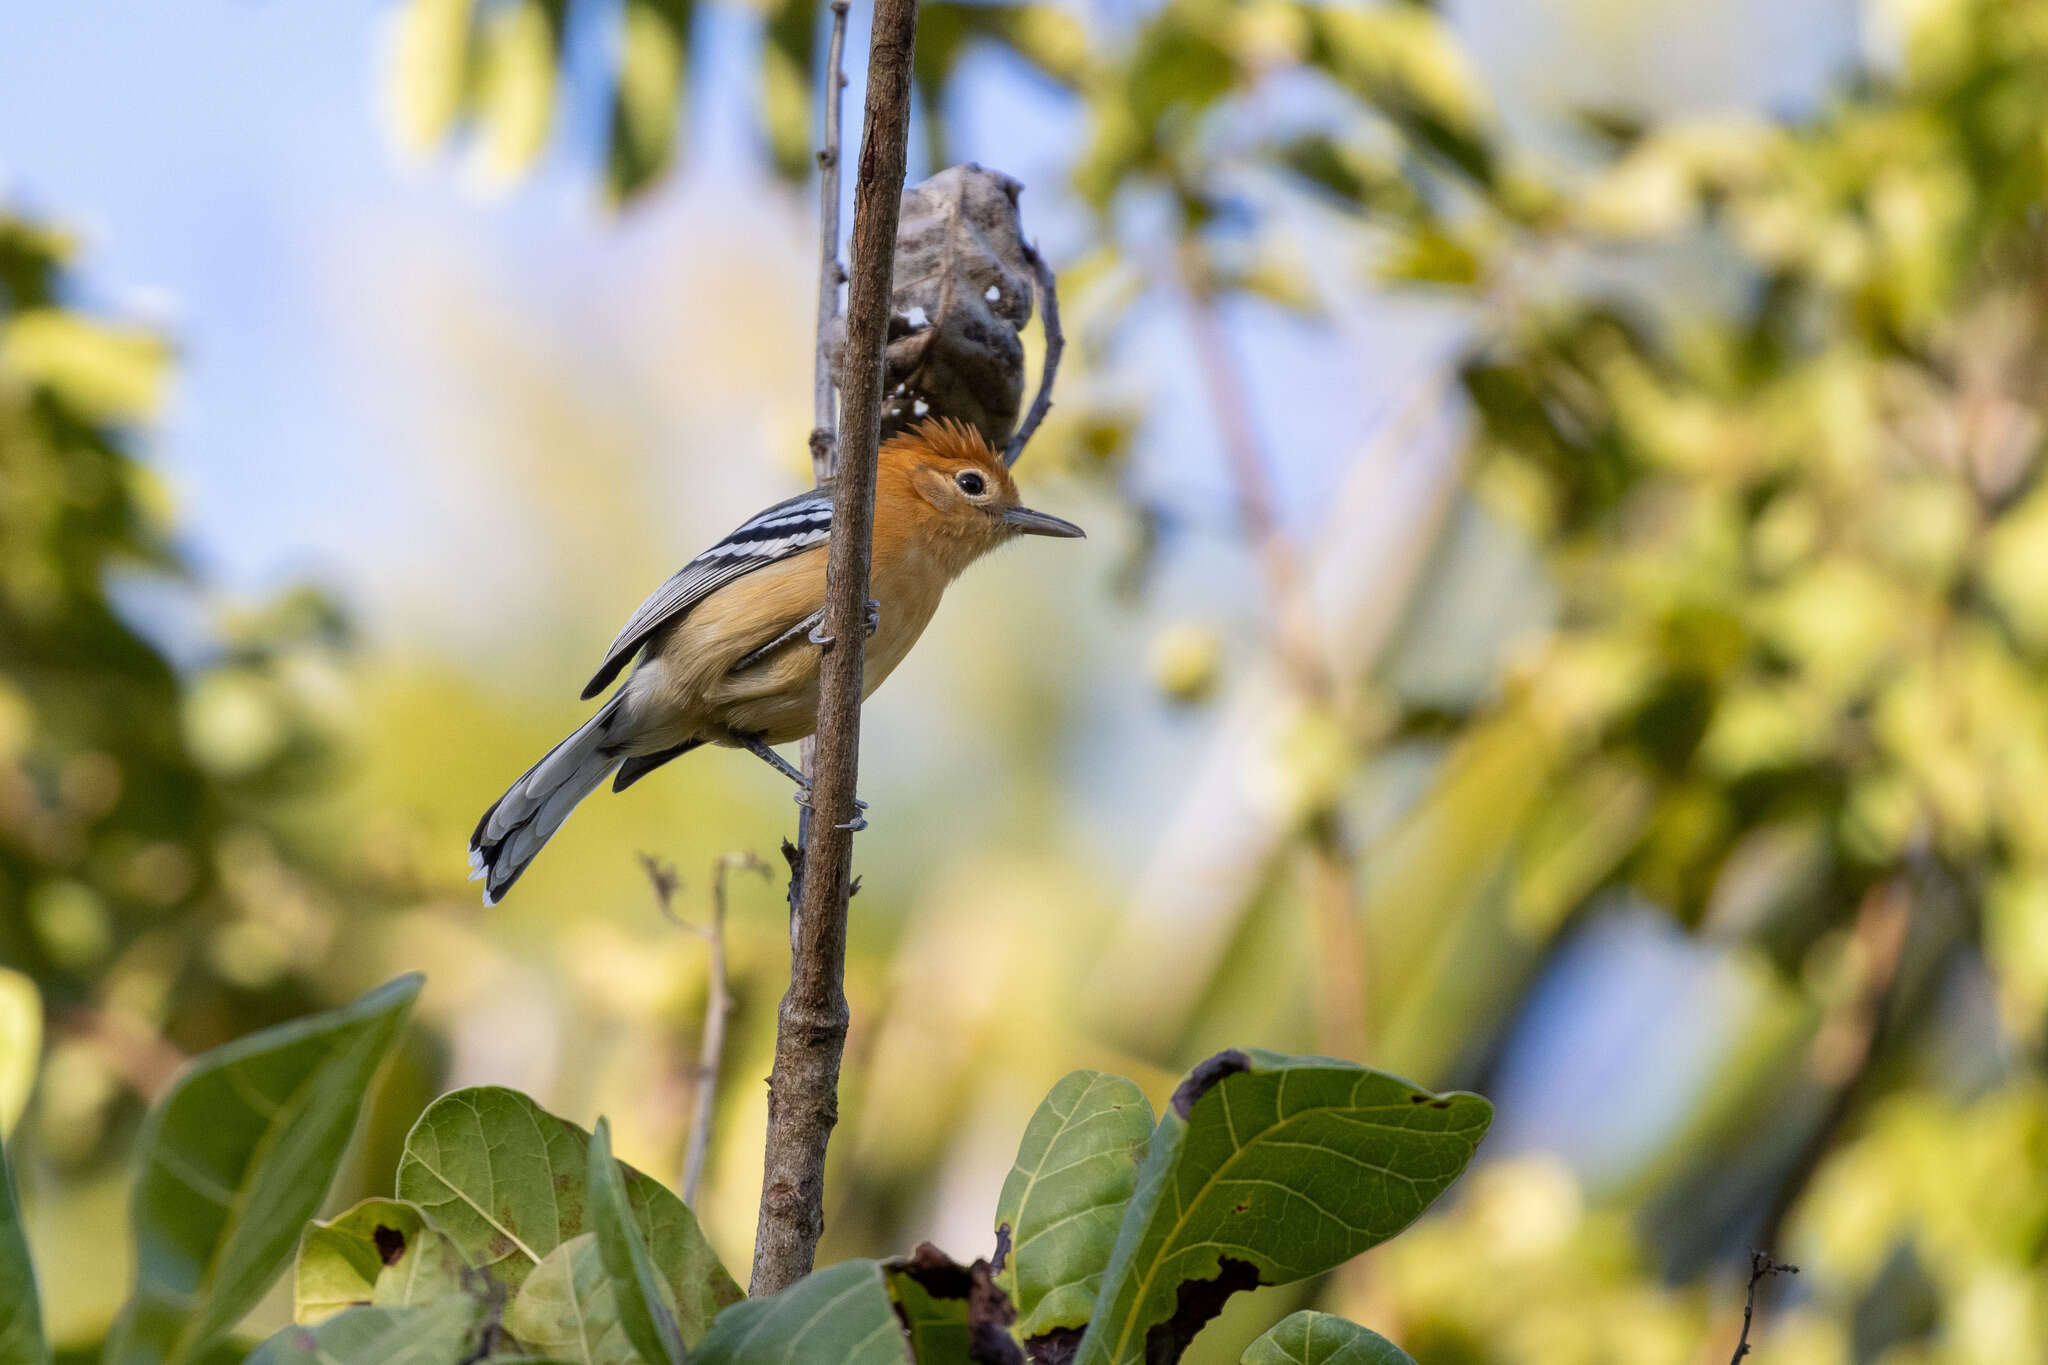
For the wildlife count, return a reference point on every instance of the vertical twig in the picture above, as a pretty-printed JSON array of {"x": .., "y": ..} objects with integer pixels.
[
  {"x": 810, "y": 1035},
  {"x": 1761, "y": 1268},
  {"x": 1055, "y": 346},
  {"x": 717, "y": 1001},
  {"x": 831, "y": 274},
  {"x": 1329, "y": 873}
]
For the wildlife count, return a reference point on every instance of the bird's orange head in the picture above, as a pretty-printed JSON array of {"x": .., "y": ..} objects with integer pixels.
[{"x": 940, "y": 482}]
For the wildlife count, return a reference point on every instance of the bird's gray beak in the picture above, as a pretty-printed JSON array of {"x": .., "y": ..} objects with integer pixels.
[{"x": 1026, "y": 522}]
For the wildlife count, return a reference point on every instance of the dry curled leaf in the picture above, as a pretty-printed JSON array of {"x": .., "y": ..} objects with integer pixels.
[{"x": 962, "y": 294}]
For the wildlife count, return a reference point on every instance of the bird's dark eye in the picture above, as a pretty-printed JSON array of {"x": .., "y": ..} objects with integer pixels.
[{"x": 971, "y": 483}]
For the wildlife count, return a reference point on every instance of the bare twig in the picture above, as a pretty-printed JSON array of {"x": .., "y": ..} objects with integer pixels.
[
  {"x": 831, "y": 274},
  {"x": 1761, "y": 1268},
  {"x": 1055, "y": 345},
  {"x": 810, "y": 1036},
  {"x": 717, "y": 1001}
]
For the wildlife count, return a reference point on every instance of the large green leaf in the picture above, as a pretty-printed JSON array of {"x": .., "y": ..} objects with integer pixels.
[
  {"x": 836, "y": 1316},
  {"x": 1265, "y": 1170},
  {"x": 637, "y": 1292},
  {"x": 568, "y": 1308},
  {"x": 446, "y": 1331},
  {"x": 21, "y": 1317},
  {"x": 383, "y": 1251},
  {"x": 1076, "y": 1169},
  {"x": 1310, "y": 1338},
  {"x": 507, "y": 1180},
  {"x": 234, "y": 1160}
]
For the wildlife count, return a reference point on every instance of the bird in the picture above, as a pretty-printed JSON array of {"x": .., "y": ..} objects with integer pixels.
[{"x": 728, "y": 648}]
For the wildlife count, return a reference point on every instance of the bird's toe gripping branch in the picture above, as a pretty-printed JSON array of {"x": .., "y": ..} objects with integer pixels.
[
  {"x": 820, "y": 639},
  {"x": 859, "y": 821}
]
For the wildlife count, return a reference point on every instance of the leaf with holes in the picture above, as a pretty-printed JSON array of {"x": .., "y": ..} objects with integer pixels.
[
  {"x": 837, "y": 1316},
  {"x": 1309, "y": 1338},
  {"x": 1058, "y": 1215},
  {"x": 1265, "y": 1170},
  {"x": 638, "y": 1296},
  {"x": 21, "y": 1316},
  {"x": 507, "y": 1180},
  {"x": 384, "y": 1252},
  {"x": 234, "y": 1160}
]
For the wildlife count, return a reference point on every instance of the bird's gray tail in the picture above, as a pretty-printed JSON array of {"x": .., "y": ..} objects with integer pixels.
[{"x": 520, "y": 823}]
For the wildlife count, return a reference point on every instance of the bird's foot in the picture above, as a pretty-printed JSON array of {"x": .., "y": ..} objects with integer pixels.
[
  {"x": 820, "y": 639},
  {"x": 859, "y": 821}
]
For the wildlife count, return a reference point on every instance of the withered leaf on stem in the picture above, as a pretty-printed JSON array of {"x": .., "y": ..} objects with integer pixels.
[{"x": 961, "y": 296}]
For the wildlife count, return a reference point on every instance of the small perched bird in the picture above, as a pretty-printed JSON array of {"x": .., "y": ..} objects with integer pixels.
[{"x": 729, "y": 646}]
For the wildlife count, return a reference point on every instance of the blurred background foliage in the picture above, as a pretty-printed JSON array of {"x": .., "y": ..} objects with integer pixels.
[{"x": 1590, "y": 532}]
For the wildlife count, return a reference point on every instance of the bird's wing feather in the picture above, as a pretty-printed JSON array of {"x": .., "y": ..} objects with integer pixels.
[{"x": 789, "y": 527}]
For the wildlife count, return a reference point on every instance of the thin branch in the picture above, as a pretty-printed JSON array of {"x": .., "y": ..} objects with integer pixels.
[
  {"x": 831, "y": 274},
  {"x": 810, "y": 1036},
  {"x": 1055, "y": 344},
  {"x": 1761, "y": 1268},
  {"x": 718, "y": 1002}
]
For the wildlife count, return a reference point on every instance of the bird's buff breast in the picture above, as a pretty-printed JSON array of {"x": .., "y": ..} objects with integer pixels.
[{"x": 777, "y": 698}]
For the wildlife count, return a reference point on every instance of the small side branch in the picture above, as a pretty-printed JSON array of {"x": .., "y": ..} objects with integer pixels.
[
  {"x": 718, "y": 1001},
  {"x": 1055, "y": 344},
  {"x": 1761, "y": 1268},
  {"x": 831, "y": 274}
]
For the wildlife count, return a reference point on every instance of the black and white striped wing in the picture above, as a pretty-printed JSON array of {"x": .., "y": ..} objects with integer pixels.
[{"x": 789, "y": 527}]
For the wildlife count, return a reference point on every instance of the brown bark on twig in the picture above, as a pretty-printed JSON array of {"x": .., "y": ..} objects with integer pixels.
[
  {"x": 803, "y": 1089},
  {"x": 1055, "y": 346}
]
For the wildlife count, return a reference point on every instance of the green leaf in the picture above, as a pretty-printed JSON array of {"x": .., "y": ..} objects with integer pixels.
[
  {"x": 1265, "y": 1170},
  {"x": 1060, "y": 1208},
  {"x": 569, "y": 1308},
  {"x": 636, "y": 1290},
  {"x": 383, "y": 1251},
  {"x": 443, "y": 1332},
  {"x": 506, "y": 1179},
  {"x": 21, "y": 1318},
  {"x": 836, "y": 1316},
  {"x": 1310, "y": 1338},
  {"x": 234, "y": 1160},
  {"x": 647, "y": 96}
]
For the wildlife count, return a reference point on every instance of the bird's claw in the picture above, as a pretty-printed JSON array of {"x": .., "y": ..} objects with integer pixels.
[
  {"x": 859, "y": 821},
  {"x": 820, "y": 639}
]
